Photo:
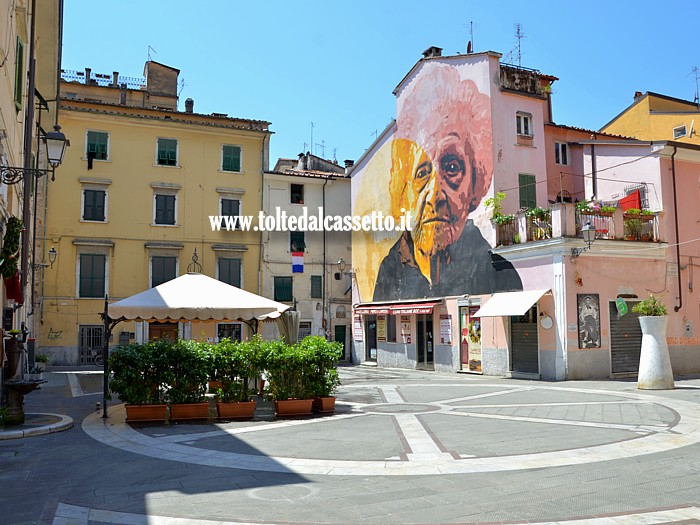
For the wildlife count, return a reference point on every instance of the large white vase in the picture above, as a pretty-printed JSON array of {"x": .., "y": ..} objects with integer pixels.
[{"x": 654, "y": 362}]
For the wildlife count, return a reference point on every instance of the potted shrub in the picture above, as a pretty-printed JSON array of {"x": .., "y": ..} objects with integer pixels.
[
  {"x": 188, "y": 364},
  {"x": 236, "y": 371},
  {"x": 324, "y": 375},
  {"x": 138, "y": 376},
  {"x": 655, "y": 371},
  {"x": 40, "y": 361},
  {"x": 290, "y": 369},
  {"x": 35, "y": 374}
]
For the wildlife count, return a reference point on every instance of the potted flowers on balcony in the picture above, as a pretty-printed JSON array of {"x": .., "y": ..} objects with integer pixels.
[
  {"x": 138, "y": 376},
  {"x": 655, "y": 371},
  {"x": 638, "y": 224},
  {"x": 189, "y": 372},
  {"x": 236, "y": 372}
]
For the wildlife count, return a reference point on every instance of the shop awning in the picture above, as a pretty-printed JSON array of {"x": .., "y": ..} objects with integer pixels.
[
  {"x": 510, "y": 303},
  {"x": 396, "y": 309}
]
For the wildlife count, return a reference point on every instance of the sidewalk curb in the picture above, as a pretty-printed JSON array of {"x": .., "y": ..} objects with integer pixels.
[{"x": 65, "y": 423}]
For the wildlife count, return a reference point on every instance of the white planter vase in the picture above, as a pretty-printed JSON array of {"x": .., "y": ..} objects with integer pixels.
[{"x": 654, "y": 362}]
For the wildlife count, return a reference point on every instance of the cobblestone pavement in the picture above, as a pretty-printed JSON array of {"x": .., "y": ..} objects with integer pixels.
[{"x": 402, "y": 447}]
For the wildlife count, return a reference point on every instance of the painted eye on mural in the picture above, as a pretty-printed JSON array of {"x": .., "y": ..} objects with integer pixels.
[
  {"x": 423, "y": 171},
  {"x": 452, "y": 166}
]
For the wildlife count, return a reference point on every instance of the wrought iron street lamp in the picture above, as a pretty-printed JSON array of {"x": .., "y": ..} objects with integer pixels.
[
  {"x": 588, "y": 232},
  {"x": 56, "y": 143},
  {"x": 52, "y": 259}
]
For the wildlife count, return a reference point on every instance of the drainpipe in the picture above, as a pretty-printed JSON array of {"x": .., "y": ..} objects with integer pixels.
[
  {"x": 323, "y": 294},
  {"x": 594, "y": 174},
  {"x": 678, "y": 247},
  {"x": 263, "y": 167}
]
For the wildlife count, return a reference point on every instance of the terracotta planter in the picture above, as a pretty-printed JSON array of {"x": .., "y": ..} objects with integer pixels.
[
  {"x": 293, "y": 407},
  {"x": 145, "y": 412},
  {"x": 189, "y": 411},
  {"x": 324, "y": 405},
  {"x": 240, "y": 410}
]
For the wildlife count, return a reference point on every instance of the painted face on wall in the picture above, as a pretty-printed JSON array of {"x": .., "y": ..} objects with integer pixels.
[{"x": 441, "y": 165}]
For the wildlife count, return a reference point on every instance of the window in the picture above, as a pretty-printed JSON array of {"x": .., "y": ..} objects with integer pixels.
[
  {"x": 19, "y": 74},
  {"x": 297, "y": 194},
  {"x": 230, "y": 271},
  {"x": 165, "y": 209},
  {"x": 523, "y": 124},
  {"x": 679, "y": 132},
  {"x": 390, "y": 328},
  {"x": 230, "y": 158},
  {"x": 97, "y": 145},
  {"x": 283, "y": 289},
  {"x": 316, "y": 286},
  {"x": 163, "y": 269},
  {"x": 167, "y": 152},
  {"x": 94, "y": 205},
  {"x": 92, "y": 275},
  {"x": 231, "y": 207},
  {"x": 232, "y": 331},
  {"x": 528, "y": 193},
  {"x": 561, "y": 153},
  {"x": 297, "y": 242}
]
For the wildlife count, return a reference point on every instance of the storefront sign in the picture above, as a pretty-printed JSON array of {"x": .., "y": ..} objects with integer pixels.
[
  {"x": 406, "y": 329},
  {"x": 445, "y": 329},
  {"x": 357, "y": 328},
  {"x": 381, "y": 328}
]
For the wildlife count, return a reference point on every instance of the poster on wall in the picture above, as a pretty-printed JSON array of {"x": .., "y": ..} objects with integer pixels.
[
  {"x": 588, "y": 320},
  {"x": 406, "y": 329},
  {"x": 357, "y": 328},
  {"x": 445, "y": 329},
  {"x": 470, "y": 340},
  {"x": 381, "y": 328}
]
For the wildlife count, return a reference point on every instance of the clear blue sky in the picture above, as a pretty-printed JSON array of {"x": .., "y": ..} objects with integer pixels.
[{"x": 336, "y": 62}]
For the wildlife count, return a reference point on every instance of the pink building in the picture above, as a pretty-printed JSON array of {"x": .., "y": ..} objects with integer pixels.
[{"x": 517, "y": 295}]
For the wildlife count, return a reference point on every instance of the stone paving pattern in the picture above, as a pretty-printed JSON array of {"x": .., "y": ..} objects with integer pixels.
[{"x": 404, "y": 447}]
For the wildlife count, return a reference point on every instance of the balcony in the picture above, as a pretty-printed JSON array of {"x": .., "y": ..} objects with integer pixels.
[{"x": 565, "y": 220}]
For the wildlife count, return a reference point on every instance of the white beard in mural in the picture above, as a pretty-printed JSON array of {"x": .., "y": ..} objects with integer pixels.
[{"x": 441, "y": 170}]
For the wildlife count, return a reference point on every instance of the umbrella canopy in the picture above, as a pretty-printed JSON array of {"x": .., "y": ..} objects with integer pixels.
[
  {"x": 195, "y": 296},
  {"x": 288, "y": 324}
]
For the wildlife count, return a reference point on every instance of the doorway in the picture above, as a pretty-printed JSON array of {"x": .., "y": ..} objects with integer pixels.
[
  {"x": 625, "y": 340},
  {"x": 371, "y": 338},
  {"x": 340, "y": 331},
  {"x": 524, "y": 351},
  {"x": 158, "y": 330},
  {"x": 424, "y": 342}
]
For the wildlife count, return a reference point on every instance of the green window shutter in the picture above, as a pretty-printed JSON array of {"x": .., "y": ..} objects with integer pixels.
[
  {"x": 19, "y": 74},
  {"x": 231, "y": 158},
  {"x": 165, "y": 209},
  {"x": 528, "y": 190},
  {"x": 92, "y": 275},
  {"x": 94, "y": 206},
  {"x": 97, "y": 144},
  {"x": 283, "y": 289},
  {"x": 230, "y": 272},
  {"x": 230, "y": 207},
  {"x": 316, "y": 286},
  {"x": 162, "y": 270},
  {"x": 167, "y": 152}
]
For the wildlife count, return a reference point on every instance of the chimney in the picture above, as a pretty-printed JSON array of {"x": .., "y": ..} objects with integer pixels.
[
  {"x": 637, "y": 94},
  {"x": 348, "y": 166},
  {"x": 189, "y": 105},
  {"x": 115, "y": 78},
  {"x": 88, "y": 72},
  {"x": 122, "y": 94},
  {"x": 432, "y": 51}
]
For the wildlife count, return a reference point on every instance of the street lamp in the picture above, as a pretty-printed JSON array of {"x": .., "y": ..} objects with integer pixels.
[
  {"x": 56, "y": 143},
  {"x": 52, "y": 259},
  {"x": 588, "y": 232}
]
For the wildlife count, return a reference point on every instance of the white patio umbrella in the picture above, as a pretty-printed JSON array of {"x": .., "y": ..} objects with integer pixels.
[{"x": 288, "y": 324}]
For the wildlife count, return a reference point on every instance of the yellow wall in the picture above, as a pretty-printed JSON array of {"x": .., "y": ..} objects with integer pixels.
[
  {"x": 654, "y": 118},
  {"x": 128, "y": 177}
]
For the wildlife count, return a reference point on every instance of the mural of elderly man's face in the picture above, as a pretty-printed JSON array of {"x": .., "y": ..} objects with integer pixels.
[{"x": 437, "y": 171}]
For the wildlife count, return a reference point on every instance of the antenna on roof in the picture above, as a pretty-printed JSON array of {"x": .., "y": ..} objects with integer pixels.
[
  {"x": 696, "y": 72},
  {"x": 323, "y": 148},
  {"x": 519, "y": 35},
  {"x": 470, "y": 45},
  {"x": 149, "y": 52},
  {"x": 182, "y": 86}
]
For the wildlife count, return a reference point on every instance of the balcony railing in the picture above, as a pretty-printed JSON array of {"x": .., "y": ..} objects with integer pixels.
[
  {"x": 602, "y": 222},
  {"x": 640, "y": 227}
]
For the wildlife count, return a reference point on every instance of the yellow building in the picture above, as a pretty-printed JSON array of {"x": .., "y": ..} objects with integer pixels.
[
  {"x": 133, "y": 203},
  {"x": 657, "y": 117},
  {"x": 28, "y": 90}
]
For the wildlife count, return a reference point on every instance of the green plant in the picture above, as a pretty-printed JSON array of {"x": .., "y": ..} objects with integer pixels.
[
  {"x": 495, "y": 203},
  {"x": 633, "y": 211},
  {"x": 10, "y": 248},
  {"x": 608, "y": 209},
  {"x": 651, "y": 306},
  {"x": 41, "y": 358},
  {"x": 35, "y": 370},
  {"x": 289, "y": 370},
  {"x": 235, "y": 368},
  {"x": 538, "y": 213},
  {"x": 188, "y": 368},
  {"x": 324, "y": 378},
  {"x": 3, "y": 415},
  {"x": 583, "y": 206},
  {"x": 139, "y": 373},
  {"x": 516, "y": 238},
  {"x": 633, "y": 228},
  {"x": 503, "y": 219}
]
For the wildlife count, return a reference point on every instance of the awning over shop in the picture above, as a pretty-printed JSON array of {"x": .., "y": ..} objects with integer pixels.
[
  {"x": 510, "y": 303},
  {"x": 396, "y": 309}
]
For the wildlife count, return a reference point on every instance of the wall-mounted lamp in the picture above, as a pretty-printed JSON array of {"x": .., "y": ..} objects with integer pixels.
[
  {"x": 52, "y": 259},
  {"x": 56, "y": 143},
  {"x": 342, "y": 266},
  {"x": 588, "y": 232}
]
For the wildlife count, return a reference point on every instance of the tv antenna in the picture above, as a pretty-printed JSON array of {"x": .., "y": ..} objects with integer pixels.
[
  {"x": 696, "y": 73},
  {"x": 182, "y": 86},
  {"x": 519, "y": 35},
  {"x": 470, "y": 44},
  {"x": 149, "y": 52},
  {"x": 323, "y": 148}
]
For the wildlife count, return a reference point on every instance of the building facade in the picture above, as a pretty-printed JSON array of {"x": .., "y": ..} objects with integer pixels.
[
  {"x": 300, "y": 268},
  {"x": 144, "y": 186},
  {"x": 494, "y": 278}
]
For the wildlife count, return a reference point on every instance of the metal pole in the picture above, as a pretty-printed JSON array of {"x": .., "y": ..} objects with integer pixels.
[{"x": 105, "y": 357}]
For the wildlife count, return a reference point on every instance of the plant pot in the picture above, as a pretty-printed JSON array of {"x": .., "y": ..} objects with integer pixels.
[
  {"x": 293, "y": 407},
  {"x": 35, "y": 377},
  {"x": 145, "y": 412},
  {"x": 189, "y": 411},
  {"x": 655, "y": 371},
  {"x": 324, "y": 405},
  {"x": 40, "y": 365},
  {"x": 236, "y": 410}
]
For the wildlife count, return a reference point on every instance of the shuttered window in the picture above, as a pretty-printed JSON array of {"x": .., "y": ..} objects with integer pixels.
[
  {"x": 528, "y": 193},
  {"x": 230, "y": 271},
  {"x": 230, "y": 158},
  {"x": 94, "y": 205},
  {"x": 283, "y": 289},
  {"x": 316, "y": 287},
  {"x": 92, "y": 275},
  {"x": 163, "y": 269}
]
